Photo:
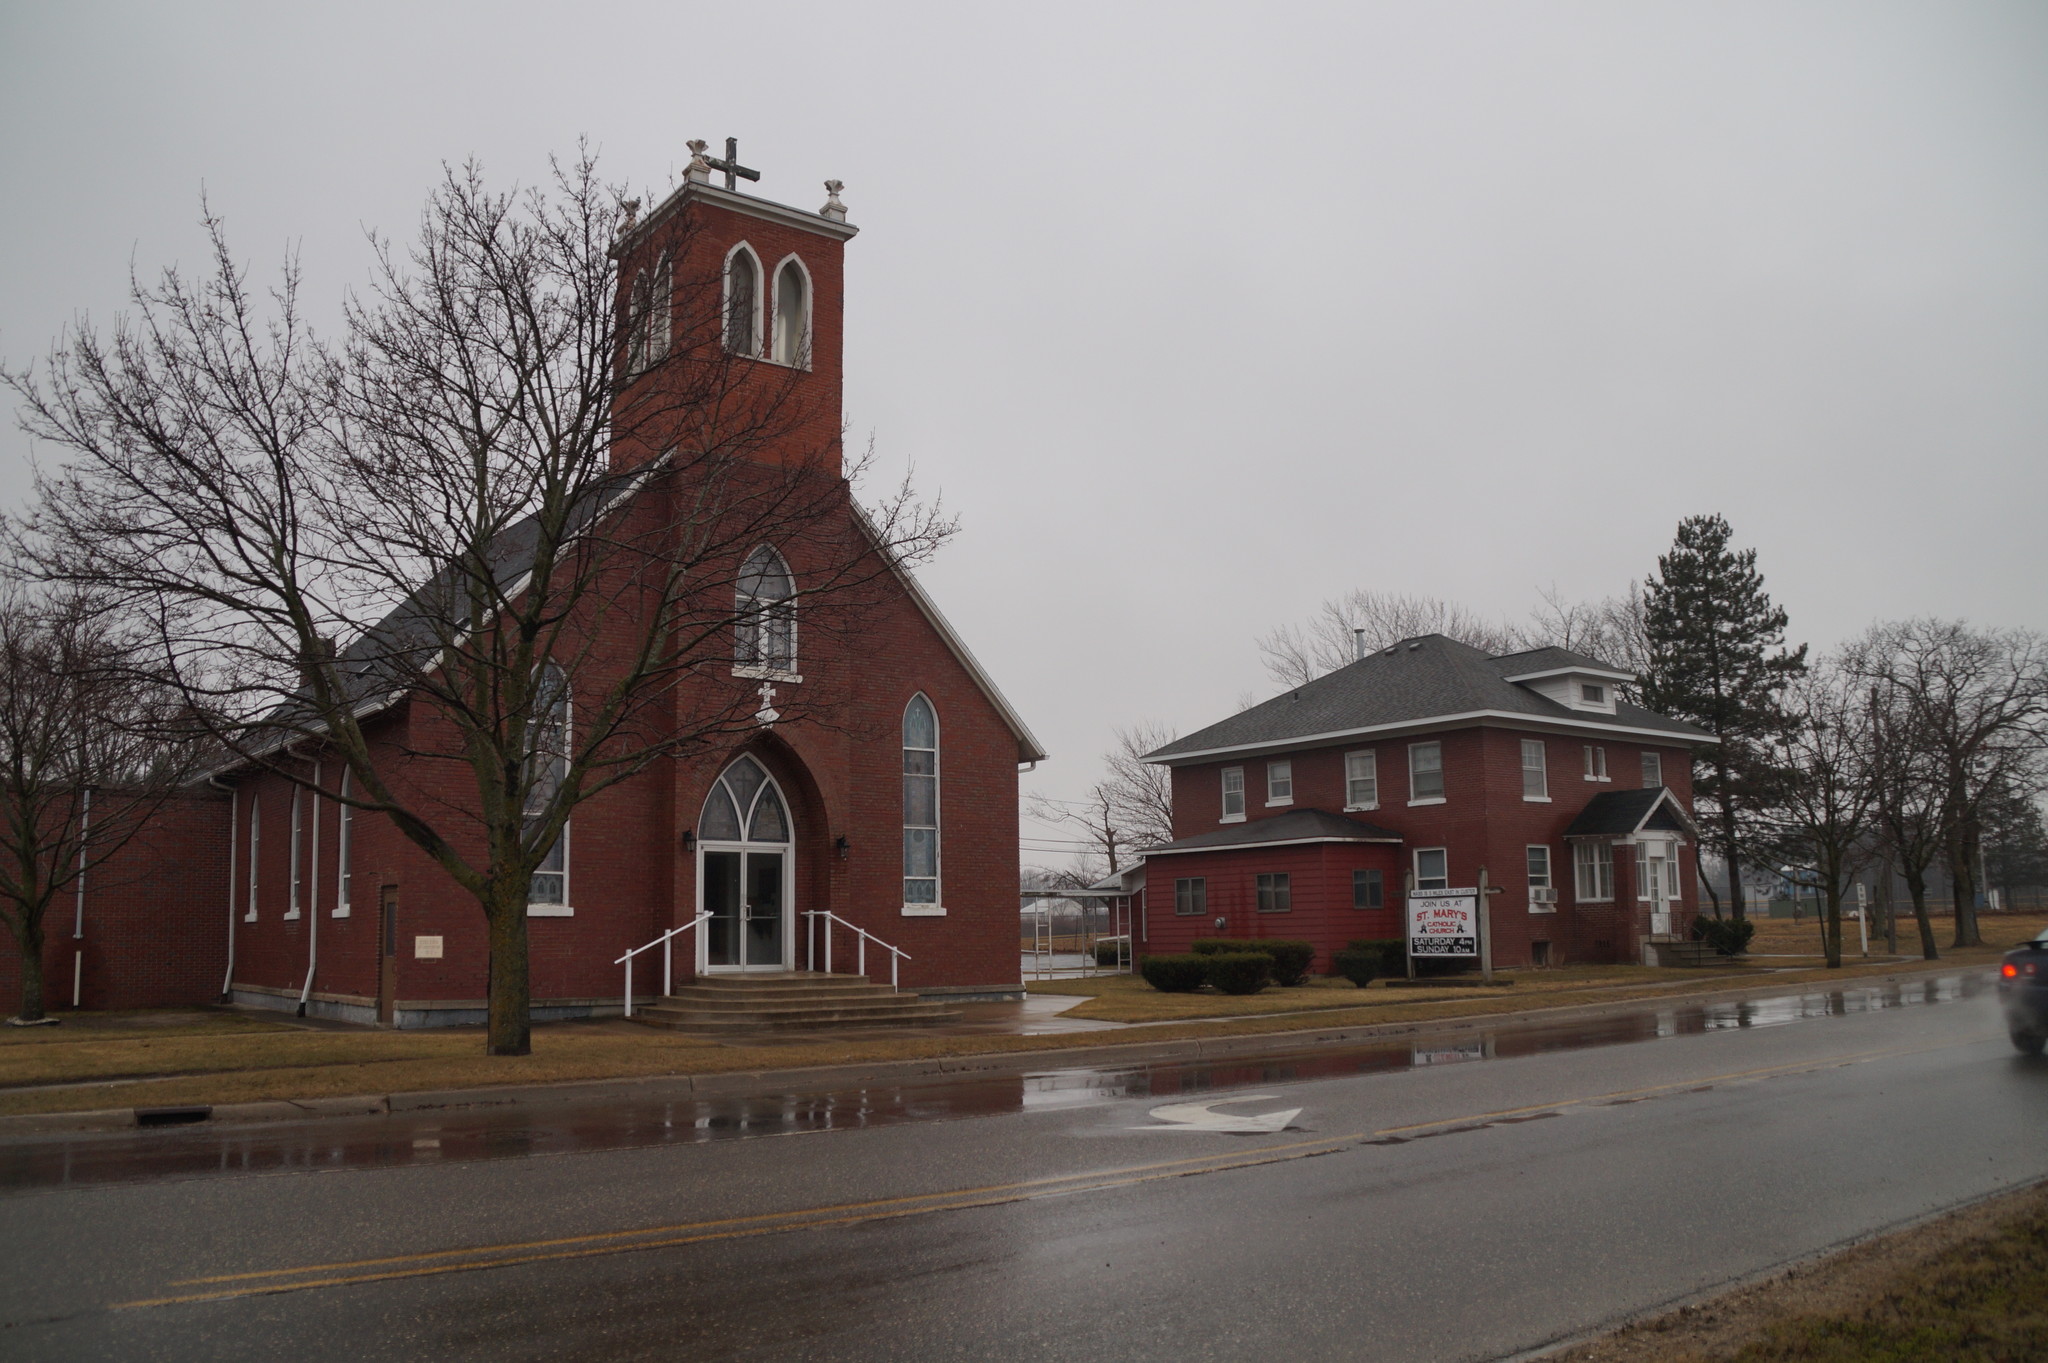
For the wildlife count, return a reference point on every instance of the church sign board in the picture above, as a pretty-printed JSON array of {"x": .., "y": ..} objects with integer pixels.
[{"x": 1443, "y": 922}]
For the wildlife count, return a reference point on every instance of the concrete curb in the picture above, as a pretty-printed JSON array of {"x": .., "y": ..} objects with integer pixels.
[{"x": 742, "y": 1083}]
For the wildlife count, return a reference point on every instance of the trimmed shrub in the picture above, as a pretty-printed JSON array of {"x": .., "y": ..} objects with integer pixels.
[
  {"x": 1391, "y": 952},
  {"x": 1110, "y": 951},
  {"x": 1291, "y": 960},
  {"x": 1728, "y": 936},
  {"x": 1175, "y": 974},
  {"x": 1357, "y": 966},
  {"x": 1239, "y": 972}
]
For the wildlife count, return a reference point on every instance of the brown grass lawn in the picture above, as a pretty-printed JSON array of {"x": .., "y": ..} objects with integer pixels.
[
  {"x": 1781, "y": 936},
  {"x": 196, "y": 1056}
]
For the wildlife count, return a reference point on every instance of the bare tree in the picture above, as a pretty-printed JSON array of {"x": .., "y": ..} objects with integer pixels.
[
  {"x": 1611, "y": 629},
  {"x": 491, "y": 553},
  {"x": 1127, "y": 811},
  {"x": 1906, "y": 776},
  {"x": 1330, "y": 638},
  {"x": 1978, "y": 706},
  {"x": 74, "y": 725},
  {"x": 1823, "y": 817}
]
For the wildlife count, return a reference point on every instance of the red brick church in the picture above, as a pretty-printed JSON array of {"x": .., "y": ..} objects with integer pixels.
[
  {"x": 899, "y": 815},
  {"x": 1312, "y": 816}
]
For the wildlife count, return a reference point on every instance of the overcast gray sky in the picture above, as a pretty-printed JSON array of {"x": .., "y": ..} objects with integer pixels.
[{"x": 1198, "y": 315}]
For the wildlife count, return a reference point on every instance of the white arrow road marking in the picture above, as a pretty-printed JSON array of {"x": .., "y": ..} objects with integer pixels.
[{"x": 1198, "y": 1117}]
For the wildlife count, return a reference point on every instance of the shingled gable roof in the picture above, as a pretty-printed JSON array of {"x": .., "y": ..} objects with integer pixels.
[
  {"x": 375, "y": 664},
  {"x": 1296, "y": 825},
  {"x": 1623, "y": 813},
  {"x": 1414, "y": 683}
]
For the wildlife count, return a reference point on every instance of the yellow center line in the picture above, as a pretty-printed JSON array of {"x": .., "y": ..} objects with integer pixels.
[{"x": 423, "y": 1264}]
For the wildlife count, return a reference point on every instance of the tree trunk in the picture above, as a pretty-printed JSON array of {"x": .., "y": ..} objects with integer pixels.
[
  {"x": 1831, "y": 927},
  {"x": 1916, "y": 886},
  {"x": 1890, "y": 906},
  {"x": 1962, "y": 879},
  {"x": 510, "y": 1029},
  {"x": 1737, "y": 909},
  {"x": 30, "y": 939}
]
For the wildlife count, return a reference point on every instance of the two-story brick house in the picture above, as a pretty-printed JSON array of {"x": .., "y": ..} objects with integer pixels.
[{"x": 1312, "y": 815}]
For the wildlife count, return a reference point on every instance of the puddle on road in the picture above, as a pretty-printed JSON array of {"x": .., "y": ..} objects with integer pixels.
[{"x": 512, "y": 1132}]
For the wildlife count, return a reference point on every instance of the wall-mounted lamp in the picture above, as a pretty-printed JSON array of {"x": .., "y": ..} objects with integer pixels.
[
  {"x": 842, "y": 847},
  {"x": 689, "y": 839}
]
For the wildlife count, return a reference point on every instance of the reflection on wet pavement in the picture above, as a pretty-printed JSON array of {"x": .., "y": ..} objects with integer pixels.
[{"x": 512, "y": 1131}]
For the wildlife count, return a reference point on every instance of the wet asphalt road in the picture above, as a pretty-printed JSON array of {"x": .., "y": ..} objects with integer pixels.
[{"x": 1457, "y": 1197}]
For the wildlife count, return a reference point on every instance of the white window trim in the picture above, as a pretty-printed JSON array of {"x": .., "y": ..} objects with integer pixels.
[
  {"x": 1644, "y": 760},
  {"x": 1373, "y": 760},
  {"x": 937, "y": 908},
  {"x": 1415, "y": 867},
  {"x": 255, "y": 853},
  {"x": 298, "y": 852},
  {"x": 758, "y": 671},
  {"x": 1413, "y": 798},
  {"x": 1596, "y": 763},
  {"x": 661, "y": 331},
  {"x": 753, "y": 673},
  {"x": 1273, "y": 801},
  {"x": 1223, "y": 795},
  {"x": 1578, "y": 886},
  {"x": 1542, "y": 770},
  {"x": 344, "y": 848},
  {"x": 761, "y": 286},
  {"x": 775, "y": 312}
]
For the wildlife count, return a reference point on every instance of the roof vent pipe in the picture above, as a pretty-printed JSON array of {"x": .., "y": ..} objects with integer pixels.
[{"x": 1358, "y": 648}]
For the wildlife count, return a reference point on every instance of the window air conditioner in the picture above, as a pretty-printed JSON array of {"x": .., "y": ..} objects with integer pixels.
[{"x": 1542, "y": 894}]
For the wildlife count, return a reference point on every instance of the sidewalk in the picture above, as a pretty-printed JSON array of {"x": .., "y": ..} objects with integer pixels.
[{"x": 1000, "y": 1039}]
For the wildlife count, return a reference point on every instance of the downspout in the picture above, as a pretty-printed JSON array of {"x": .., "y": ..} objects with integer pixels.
[
  {"x": 234, "y": 830},
  {"x": 313, "y": 900},
  {"x": 78, "y": 914}
]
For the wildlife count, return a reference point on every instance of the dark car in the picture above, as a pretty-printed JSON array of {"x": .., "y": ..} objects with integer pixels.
[{"x": 2023, "y": 989}]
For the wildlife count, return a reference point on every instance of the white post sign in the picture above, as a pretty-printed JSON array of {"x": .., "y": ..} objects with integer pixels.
[{"x": 1443, "y": 922}]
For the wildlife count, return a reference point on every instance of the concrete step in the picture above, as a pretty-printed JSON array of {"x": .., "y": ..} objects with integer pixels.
[
  {"x": 783, "y": 1007},
  {"x": 740, "y": 1024}
]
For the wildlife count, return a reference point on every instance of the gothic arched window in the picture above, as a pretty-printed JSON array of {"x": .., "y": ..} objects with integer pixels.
[
  {"x": 920, "y": 805},
  {"x": 661, "y": 324},
  {"x": 639, "y": 322},
  {"x": 548, "y": 767},
  {"x": 765, "y": 613},
  {"x": 792, "y": 315},
  {"x": 742, "y": 302}
]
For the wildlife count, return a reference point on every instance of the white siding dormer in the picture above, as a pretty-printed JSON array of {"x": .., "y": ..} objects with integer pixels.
[{"x": 1584, "y": 690}]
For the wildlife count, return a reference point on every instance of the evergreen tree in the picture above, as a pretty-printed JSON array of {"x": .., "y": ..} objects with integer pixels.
[{"x": 1717, "y": 660}]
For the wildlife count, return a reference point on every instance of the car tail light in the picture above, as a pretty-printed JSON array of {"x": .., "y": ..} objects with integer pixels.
[{"x": 2009, "y": 970}]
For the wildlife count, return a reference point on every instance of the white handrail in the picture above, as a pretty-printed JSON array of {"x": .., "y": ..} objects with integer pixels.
[
  {"x": 668, "y": 960},
  {"x": 897, "y": 954}
]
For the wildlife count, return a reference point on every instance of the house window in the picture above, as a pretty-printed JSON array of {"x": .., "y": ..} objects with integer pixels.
[
  {"x": 1671, "y": 875},
  {"x": 1233, "y": 792},
  {"x": 1591, "y": 694},
  {"x": 298, "y": 876},
  {"x": 792, "y": 316},
  {"x": 548, "y": 767},
  {"x": 1425, "y": 771},
  {"x": 1653, "y": 770},
  {"x": 1535, "y": 780},
  {"x": 764, "y": 606},
  {"x": 742, "y": 303},
  {"x": 1279, "y": 783},
  {"x": 1542, "y": 889},
  {"x": 1432, "y": 869},
  {"x": 1191, "y": 895},
  {"x": 1593, "y": 872},
  {"x": 1361, "y": 780},
  {"x": 1596, "y": 763},
  {"x": 1275, "y": 892},
  {"x": 1368, "y": 890},
  {"x": 343, "y": 841},
  {"x": 255, "y": 851},
  {"x": 920, "y": 804}
]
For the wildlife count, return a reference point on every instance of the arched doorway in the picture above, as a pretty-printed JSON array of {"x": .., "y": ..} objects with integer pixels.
[{"x": 744, "y": 873}]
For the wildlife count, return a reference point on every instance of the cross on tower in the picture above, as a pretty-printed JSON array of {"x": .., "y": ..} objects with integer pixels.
[{"x": 730, "y": 164}]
